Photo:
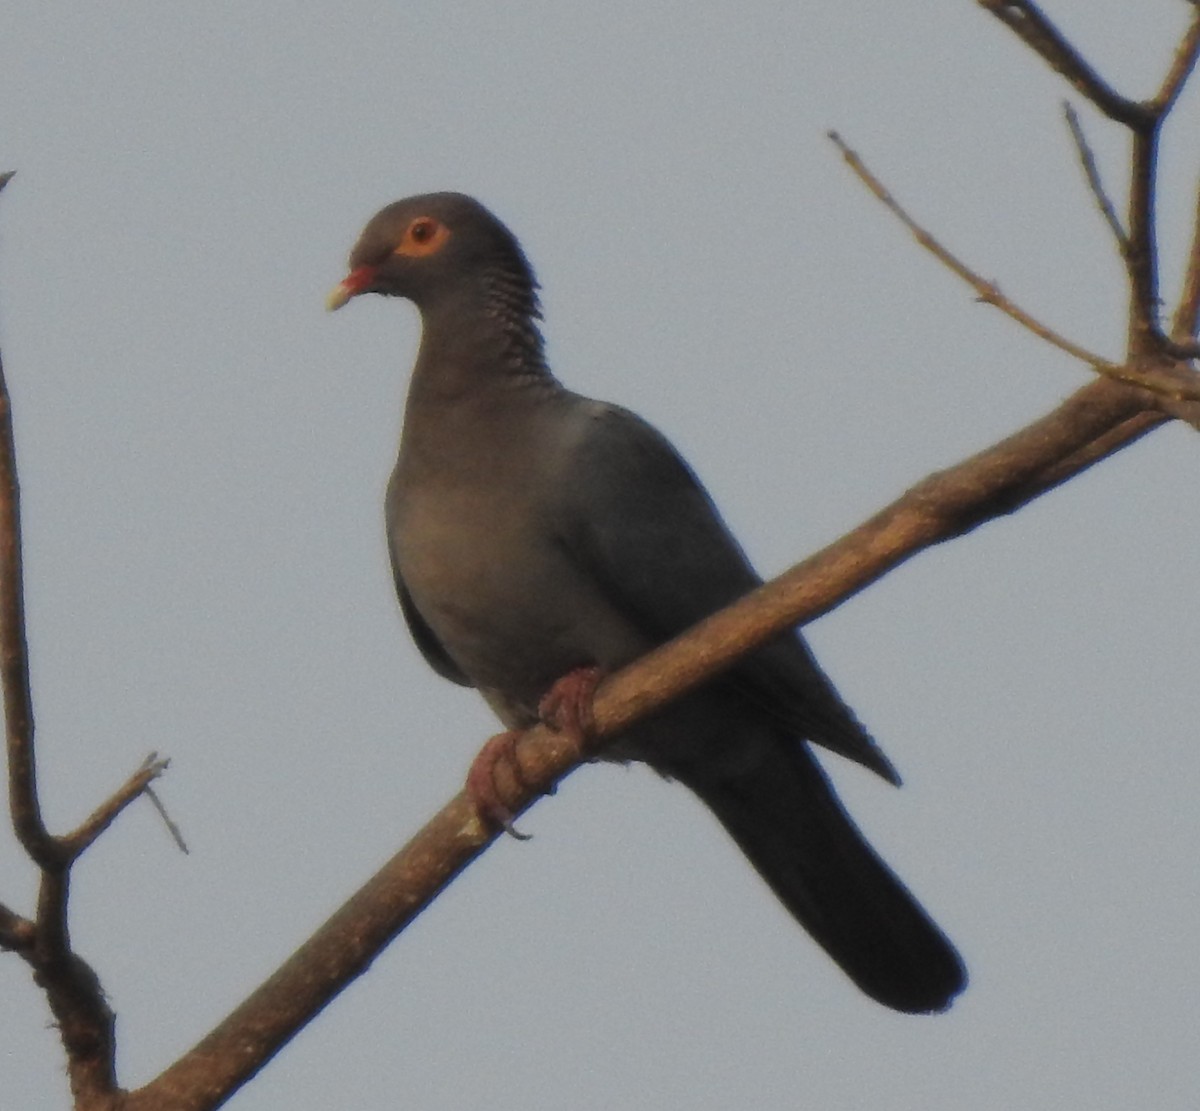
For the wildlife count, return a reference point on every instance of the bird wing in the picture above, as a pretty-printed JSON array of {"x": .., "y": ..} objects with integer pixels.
[
  {"x": 639, "y": 521},
  {"x": 644, "y": 528},
  {"x": 426, "y": 640}
]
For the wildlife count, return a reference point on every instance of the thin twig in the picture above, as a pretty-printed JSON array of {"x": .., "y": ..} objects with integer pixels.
[
  {"x": 1088, "y": 160},
  {"x": 1173, "y": 383},
  {"x": 1165, "y": 378},
  {"x": 1181, "y": 69},
  {"x": 987, "y": 291},
  {"x": 172, "y": 828},
  {"x": 1116, "y": 438},
  {"x": 1037, "y": 32},
  {"x": 1185, "y": 324},
  {"x": 105, "y": 814}
]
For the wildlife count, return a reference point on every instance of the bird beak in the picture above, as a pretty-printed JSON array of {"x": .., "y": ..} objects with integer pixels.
[{"x": 356, "y": 282}]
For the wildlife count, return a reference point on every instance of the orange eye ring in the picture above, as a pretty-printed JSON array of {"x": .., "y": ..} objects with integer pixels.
[{"x": 424, "y": 236}]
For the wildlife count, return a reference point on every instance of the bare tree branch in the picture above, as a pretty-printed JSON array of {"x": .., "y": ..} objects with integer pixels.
[
  {"x": 1181, "y": 69},
  {"x": 85, "y": 1022},
  {"x": 16, "y": 932},
  {"x": 1088, "y": 160},
  {"x": 1142, "y": 252},
  {"x": 987, "y": 291},
  {"x": 1097, "y": 421},
  {"x": 1118, "y": 436},
  {"x": 1145, "y": 121},
  {"x": 14, "y": 656},
  {"x": 1036, "y": 31},
  {"x": 53, "y": 934},
  {"x": 86, "y": 1026},
  {"x": 1145, "y": 333},
  {"x": 1177, "y": 386},
  {"x": 1186, "y": 322},
  {"x": 105, "y": 814}
]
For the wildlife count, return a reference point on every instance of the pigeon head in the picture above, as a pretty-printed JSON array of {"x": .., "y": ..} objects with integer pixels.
[{"x": 438, "y": 248}]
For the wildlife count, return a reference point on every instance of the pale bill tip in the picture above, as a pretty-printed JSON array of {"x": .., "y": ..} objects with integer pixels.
[{"x": 338, "y": 296}]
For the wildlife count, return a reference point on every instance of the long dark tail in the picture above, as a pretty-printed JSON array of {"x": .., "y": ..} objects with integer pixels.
[{"x": 787, "y": 820}]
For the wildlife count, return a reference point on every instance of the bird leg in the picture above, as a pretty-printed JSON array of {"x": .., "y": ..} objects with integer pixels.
[
  {"x": 567, "y": 709},
  {"x": 481, "y": 781},
  {"x": 567, "y": 706}
]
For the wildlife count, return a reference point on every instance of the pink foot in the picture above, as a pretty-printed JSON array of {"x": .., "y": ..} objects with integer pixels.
[
  {"x": 567, "y": 709},
  {"x": 567, "y": 706},
  {"x": 481, "y": 781}
]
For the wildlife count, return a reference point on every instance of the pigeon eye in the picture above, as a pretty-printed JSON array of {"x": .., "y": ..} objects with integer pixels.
[{"x": 423, "y": 236}]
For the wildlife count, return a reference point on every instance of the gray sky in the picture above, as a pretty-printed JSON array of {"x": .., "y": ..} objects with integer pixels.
[{"x": 203, "y": 452}]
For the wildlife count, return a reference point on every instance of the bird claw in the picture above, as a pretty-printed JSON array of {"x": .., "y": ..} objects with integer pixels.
[
  {"x": 567, "y": 706},
  {"x": 567, "y": 709},
  {"x": 481, "y": 782}
]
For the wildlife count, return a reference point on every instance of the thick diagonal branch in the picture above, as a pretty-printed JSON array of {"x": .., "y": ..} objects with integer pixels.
[{"x": 1099, "y": 420}]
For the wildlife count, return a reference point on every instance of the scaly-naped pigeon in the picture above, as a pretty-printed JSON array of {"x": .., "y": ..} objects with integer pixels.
[{"x": 537, "y": 534}]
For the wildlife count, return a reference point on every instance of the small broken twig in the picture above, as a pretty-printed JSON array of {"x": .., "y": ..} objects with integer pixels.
[{"x": 1088, "y": 160}]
